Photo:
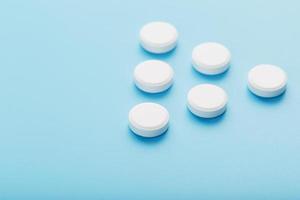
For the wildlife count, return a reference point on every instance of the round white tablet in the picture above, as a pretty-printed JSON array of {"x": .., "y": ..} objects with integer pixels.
[
  {"x": 148, "y": 119},
  {"x": 267, "y": 80},
  {"x": 207, "y": 100},
  {"x": 211, "y": 58},
  {"x": 153, "y": 76},
  {"x": 158, "y": 37}
]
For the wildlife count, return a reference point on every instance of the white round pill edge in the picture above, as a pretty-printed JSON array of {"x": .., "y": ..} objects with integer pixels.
[
  {"x": 207, "y": 100},
  {"x": 158, "y": 37},
  {"x": 148, "y": 119},
  {"x": 153, "y": 76},
  {"x": 267, "y": 80},
  {"x": 211, "y": 58}
]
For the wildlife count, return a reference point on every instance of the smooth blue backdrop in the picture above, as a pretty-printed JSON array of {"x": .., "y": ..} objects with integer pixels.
[{"x": 66, "y": 89}]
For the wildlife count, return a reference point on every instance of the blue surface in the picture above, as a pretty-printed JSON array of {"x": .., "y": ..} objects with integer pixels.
[{"x": 66, "y": 89}]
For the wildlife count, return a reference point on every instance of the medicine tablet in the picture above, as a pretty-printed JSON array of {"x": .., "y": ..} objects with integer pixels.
[
  {"x": 153, "y": 76},
  {"x": 158, "y": 37},
  {"x": 267, "y": 80},
  {"x": 148, "y": 119},
  {"x": 207, "y": 100},
  {"x": 211, "y": 58}
]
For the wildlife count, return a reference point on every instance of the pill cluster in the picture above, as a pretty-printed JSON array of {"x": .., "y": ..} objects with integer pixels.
[{"x": 204, "y": 100}]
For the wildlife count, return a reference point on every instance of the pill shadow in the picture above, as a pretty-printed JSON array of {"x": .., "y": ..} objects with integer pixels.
[
  {"x": 206, "y": 121},
  {"x": 266, "y": 101},
  {"x": 148, "y": 141},
  {"x": 157, "y": 56},
  {"x": 159, "y": 95},
  {"x": 216, "y": 77}
]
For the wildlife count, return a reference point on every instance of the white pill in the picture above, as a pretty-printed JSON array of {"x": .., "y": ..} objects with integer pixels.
[
  {"x": 207, "y": 100},
  {"x": 148, "y": 119},
  {"x": 211, "y": 58},
  {"x": 158, "y": 37},
  {"x": 153, "y": 76},
  {"x": 267, "y": 80}
]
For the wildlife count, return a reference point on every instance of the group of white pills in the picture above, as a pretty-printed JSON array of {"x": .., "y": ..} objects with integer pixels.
[{"x": 204, "y": 100}]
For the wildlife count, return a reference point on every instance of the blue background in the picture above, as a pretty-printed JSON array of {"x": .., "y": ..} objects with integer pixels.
[{"x": 66, "y": 89}]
